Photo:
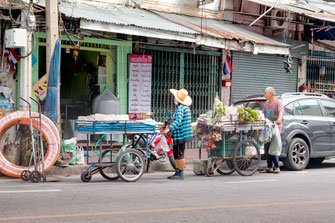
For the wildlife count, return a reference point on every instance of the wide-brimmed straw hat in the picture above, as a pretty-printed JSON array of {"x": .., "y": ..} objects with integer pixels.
[{"x": 182, "y": 96}]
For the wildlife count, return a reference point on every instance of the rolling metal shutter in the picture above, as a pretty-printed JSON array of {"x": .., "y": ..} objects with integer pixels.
[{"x": 253, "y": 73}]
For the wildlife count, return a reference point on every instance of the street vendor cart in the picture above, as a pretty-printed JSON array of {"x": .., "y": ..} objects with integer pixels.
[
  {"x": 238, "y": 150},
  {"x": 230, "y": 135},
  {"x": 127, "y": 163}
]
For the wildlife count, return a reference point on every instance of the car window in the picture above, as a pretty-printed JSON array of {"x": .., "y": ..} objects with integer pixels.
[
  {"x": 256, "y": 105},
  {"x": 329, "y": 107},
  {"x": 297, "y": 110},
  {"x": 288, "y": 109},
  {"x": 310, "y": 107}
]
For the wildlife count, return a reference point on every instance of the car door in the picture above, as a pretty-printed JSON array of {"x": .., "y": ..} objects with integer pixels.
[
  {"x": 309, "y": 114},
  {"x": 329, "y": 110}
]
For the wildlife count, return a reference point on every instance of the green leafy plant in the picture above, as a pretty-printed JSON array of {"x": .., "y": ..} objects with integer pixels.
[
  {"x": 220, "y": 111},
  {"x": 249, "y": 115}
]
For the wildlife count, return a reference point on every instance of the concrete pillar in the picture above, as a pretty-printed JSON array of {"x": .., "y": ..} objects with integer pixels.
[{"x": 302, "y": 72}]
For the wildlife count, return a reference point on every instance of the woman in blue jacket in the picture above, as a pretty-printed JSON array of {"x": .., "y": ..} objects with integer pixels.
[{"x": 182, "y": 130}]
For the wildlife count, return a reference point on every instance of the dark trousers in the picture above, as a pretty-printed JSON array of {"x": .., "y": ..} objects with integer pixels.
[
  {"x": 178, "y": 151},
  {"x": 271, "y": 160}
]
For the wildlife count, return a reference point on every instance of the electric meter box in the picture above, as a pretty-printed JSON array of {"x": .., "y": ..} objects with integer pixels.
[{"x": 16, "y": 38}]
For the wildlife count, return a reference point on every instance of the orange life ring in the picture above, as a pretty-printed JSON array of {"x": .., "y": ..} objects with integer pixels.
[{"x": 49, "y": 131}]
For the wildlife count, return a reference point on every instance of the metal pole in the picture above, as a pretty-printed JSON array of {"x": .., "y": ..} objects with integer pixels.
[
  {"x": 264, "y": 13},
  {"x": 25, "y": 75}
]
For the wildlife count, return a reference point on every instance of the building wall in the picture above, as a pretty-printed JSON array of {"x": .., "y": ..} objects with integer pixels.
[{"x": 253, "y": 10}]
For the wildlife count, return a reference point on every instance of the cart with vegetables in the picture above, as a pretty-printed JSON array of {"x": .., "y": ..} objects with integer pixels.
[{"x": 230, "y": 135}]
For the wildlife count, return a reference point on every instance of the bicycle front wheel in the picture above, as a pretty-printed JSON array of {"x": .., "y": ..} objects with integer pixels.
[
  {"x": 130, "y": 165},
  {"x": 109, "y": 171},
  {"x": 246, "y": 157}
]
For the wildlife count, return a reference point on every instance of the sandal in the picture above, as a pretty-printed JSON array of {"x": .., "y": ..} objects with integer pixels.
[
  {"x": 277, "y": 170},
  {"x": 267, "y": 171}
]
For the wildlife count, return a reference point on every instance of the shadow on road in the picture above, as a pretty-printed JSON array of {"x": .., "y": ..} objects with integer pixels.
[{"x": 323, "y": 165}]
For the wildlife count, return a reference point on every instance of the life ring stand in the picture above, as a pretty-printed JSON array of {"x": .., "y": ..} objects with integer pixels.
[{"x": 49, "y": 131}]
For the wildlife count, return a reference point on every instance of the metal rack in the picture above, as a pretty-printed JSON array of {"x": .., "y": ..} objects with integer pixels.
[
  {"x": 37, "y": 155},
  {"x": 107, "y": 168},
  {"x": 238, "y": 150}
]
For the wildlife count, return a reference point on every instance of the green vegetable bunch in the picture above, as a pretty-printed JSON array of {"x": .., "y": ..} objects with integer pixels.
[
  {"x": 220, "y": 111},
  {"x": 249, "y": 115}
]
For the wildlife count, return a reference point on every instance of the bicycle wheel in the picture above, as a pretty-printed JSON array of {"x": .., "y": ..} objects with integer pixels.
[
  {"x": 246, "y": 157},
  {"x": 226, "y": 168},
  {"x": 130, "y": 165},
  {"x": 108, "y": 172}
]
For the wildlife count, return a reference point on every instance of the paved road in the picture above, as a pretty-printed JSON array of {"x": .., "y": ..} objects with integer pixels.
[{"x": 306, "y": 196}]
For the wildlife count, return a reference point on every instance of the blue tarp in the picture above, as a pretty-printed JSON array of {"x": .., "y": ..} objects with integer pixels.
[{"x": 50, "y": 108}]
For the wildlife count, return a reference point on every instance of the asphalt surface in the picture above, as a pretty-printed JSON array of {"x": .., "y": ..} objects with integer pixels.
[{"x": 305, "y": 196}]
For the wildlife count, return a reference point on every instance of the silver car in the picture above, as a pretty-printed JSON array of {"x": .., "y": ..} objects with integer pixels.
[{"x": 308, "y": 128}]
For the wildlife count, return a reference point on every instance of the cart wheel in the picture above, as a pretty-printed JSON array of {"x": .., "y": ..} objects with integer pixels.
[
  {"x": 109, "y": 172},
  {"x": 85, "y": 177},
  {"x": 130, "y": 165},
  {"x": 25, "y": 175},
  {"x": 246, "y": 157},
  {"x": 227, "y": 167},
  {"x": 209, "y": 170},
  {"x": 35, "y": 176}
]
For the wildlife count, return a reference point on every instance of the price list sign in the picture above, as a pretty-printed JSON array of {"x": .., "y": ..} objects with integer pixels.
[{"x": 140, "y": 83}]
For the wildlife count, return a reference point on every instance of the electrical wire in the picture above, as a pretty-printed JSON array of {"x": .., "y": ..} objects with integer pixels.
[
  {"x": 32, "y": 49},
  {"x": 20, "y": 23},
  {"x": 25, "y": 18},
  {"x": 66, "y": 32}
]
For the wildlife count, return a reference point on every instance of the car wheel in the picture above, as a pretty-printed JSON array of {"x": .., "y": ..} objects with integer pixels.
[
  {"x": 316, "y": 161},
  {"x": 297, "y": 156}
]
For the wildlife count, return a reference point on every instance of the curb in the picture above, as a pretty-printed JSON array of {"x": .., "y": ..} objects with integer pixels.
[{"x": 78, "y": 169}]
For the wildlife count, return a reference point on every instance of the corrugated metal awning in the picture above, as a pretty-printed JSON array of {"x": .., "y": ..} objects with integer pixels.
[
  {"x": 220, "y": 29},
  {"x": 308, "y": 9},
  {"x": 140, "y": 22},
  {"x": 119, "y": 15},
  {"x": 324, "y": 6}
]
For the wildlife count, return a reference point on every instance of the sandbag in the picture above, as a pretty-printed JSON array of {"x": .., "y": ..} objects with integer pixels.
[{"x": 69, "y": 145}]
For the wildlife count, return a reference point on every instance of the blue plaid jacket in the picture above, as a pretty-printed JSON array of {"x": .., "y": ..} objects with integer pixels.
[{"x": 181, "y": 125}]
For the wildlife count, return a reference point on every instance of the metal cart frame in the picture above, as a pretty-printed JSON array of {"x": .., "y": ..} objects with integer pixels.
[
  {"x": 238, "y": 151},
  {"x": 122, "y": 161}
]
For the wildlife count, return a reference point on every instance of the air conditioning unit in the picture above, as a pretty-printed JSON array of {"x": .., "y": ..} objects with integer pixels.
[{"x": 276, "y": 23}]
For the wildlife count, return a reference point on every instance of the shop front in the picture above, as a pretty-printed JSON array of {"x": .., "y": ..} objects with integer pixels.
[{"x": 86, "y": 71}]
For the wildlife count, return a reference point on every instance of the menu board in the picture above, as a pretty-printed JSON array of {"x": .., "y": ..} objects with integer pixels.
[{"x": 140, "y": 83}]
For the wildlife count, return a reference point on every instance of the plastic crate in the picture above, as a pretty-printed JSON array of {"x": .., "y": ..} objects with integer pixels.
[{"x": 223, "y": 149}]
